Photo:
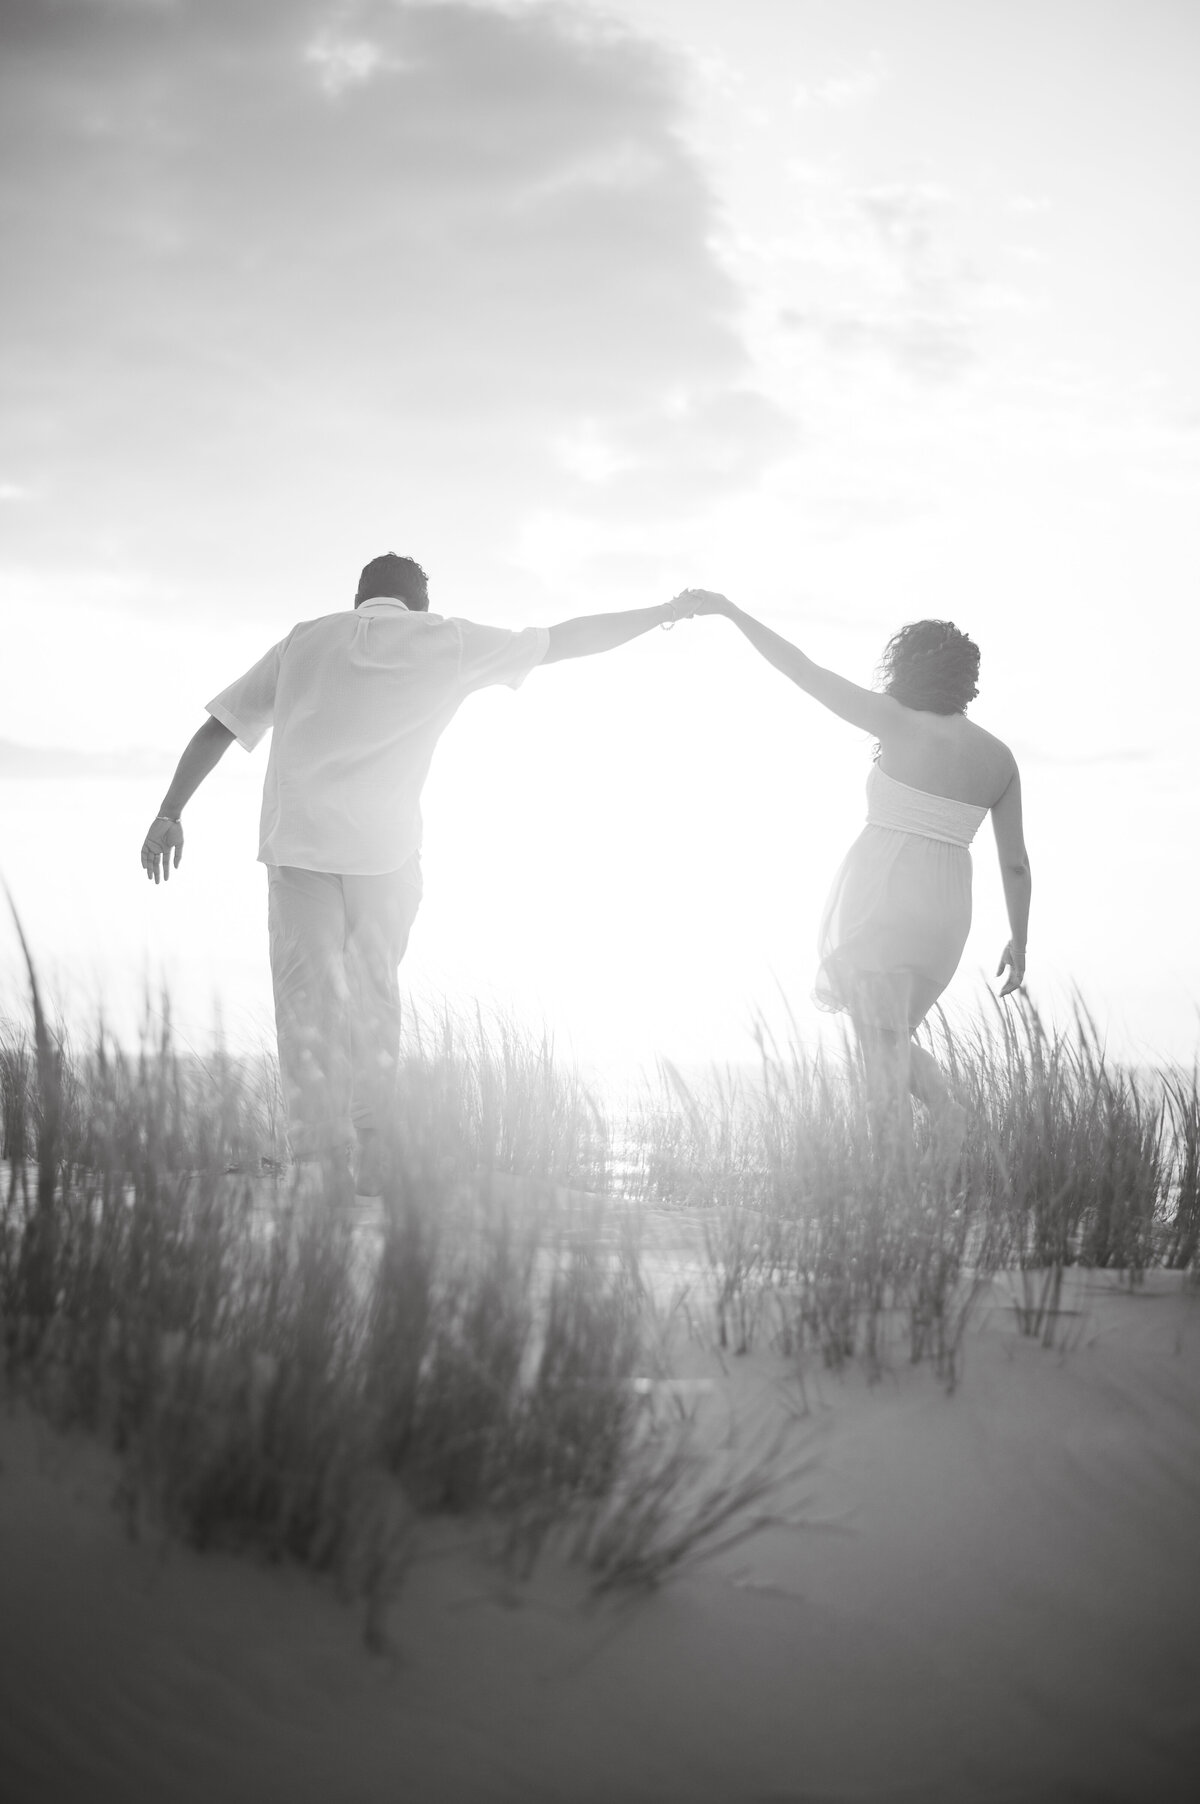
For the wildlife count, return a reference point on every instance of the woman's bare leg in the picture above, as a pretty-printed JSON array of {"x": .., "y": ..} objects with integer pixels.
[
  {"x": 928, "y": 1084},
  {"x": 881, "y": 1026},
  {"x": 925, "y": 1079}
]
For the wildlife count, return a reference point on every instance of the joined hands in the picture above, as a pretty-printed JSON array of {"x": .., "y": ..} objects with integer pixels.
[{"x": 690, "y": 602}]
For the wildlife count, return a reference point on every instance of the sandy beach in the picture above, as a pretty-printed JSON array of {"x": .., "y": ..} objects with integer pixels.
[{"x": 985, "y": 1596}]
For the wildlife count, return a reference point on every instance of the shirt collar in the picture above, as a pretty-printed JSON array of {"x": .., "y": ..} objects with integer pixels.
[{"x": 378, "y": 602}]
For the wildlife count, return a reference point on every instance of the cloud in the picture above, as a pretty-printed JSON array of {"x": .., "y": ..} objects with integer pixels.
[
  {"x": 343, "y": 62},
  {"x": 933, "y": 346},
  {"x": 303, "y": 254},
  {"x": 909, "y": 221},
  {"x": 38, "y": 762},
  {"x": 840, "y": 93},
  {"x": 690, "y": 446},
  {"x": 900, "y": 289},
  {"x": 1136, "y": 754}
]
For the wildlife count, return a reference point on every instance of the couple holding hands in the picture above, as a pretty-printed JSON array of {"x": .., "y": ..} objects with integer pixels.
[{"x": 357, "y": 701}]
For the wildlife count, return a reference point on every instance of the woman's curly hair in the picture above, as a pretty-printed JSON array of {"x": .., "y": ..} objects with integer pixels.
[{"x": 930, "y": 665}]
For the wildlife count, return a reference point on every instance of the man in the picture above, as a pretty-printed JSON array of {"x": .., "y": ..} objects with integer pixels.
[{"x": 357, "y": 701}]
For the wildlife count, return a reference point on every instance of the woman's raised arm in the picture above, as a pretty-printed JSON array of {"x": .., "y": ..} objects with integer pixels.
[{"x": 865, "y": 708}]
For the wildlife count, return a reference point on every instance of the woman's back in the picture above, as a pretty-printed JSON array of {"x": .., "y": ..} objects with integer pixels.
[{"x": 948, "y": 755}]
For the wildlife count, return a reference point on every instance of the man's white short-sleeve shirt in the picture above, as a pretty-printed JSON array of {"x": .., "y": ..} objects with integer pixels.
[{"x": 357, "y": 701}]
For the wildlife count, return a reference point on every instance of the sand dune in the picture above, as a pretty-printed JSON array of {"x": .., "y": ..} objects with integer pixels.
[{"x": 991, "y": 1596}]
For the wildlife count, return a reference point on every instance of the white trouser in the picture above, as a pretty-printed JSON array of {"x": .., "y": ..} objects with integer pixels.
[{"x": 336, "y": 943}]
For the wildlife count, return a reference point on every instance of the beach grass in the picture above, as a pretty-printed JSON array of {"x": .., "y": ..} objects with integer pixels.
[
  {"x": 824, "y": 1233},
  {"x": 279, "y": 1370}
]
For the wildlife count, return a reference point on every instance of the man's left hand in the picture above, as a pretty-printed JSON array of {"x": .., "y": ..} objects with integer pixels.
[{"x": 164, "y": 838}]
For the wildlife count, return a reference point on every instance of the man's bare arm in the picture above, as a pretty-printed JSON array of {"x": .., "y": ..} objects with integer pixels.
[
  {"x": 593, "y": 633},
  {"x": 202, "y": 753}
]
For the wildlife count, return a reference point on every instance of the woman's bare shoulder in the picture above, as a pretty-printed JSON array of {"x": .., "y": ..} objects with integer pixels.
[
  {"x": 949, "y": 755},
  {"x": 992, "y": 746}
]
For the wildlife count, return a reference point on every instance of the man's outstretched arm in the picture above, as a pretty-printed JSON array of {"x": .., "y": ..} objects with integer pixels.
[
  {"x": 202, "y": 753},
  {"x": 604, "y": 632}
]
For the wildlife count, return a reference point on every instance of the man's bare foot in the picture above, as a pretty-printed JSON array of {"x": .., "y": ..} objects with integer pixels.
[
  {"x": 369, "y": 1170},
  {"x": 321, "y": 1184}
]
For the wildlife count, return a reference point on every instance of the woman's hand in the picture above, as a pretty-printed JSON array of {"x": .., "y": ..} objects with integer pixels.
[
  {"x": 164, "y": 837},
  {"x": 1014, "y": 962},
  {"x": 702, "y": 601}
]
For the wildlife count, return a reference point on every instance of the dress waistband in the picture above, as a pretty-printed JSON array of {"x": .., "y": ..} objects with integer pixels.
[{"x": 891, "y": 803}]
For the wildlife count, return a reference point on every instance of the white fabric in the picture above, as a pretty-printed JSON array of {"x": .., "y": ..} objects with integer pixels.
[
  {"x": 891, "y": 803},
  {"x": 899, "y": 909},
  {"x": 358, "y": 701}
]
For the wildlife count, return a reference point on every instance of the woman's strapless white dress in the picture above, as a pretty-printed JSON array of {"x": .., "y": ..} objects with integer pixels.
[{"x": 900, "y": 905}]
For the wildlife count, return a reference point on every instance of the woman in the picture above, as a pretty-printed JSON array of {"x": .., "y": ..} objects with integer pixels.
[{"x": 898, "y": 913}]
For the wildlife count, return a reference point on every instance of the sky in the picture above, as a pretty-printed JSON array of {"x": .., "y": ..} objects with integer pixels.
[{"x": 861, "y": 312}]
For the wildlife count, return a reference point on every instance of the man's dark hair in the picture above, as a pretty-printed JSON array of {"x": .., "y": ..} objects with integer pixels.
[{"x": 402, "y": 577}]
